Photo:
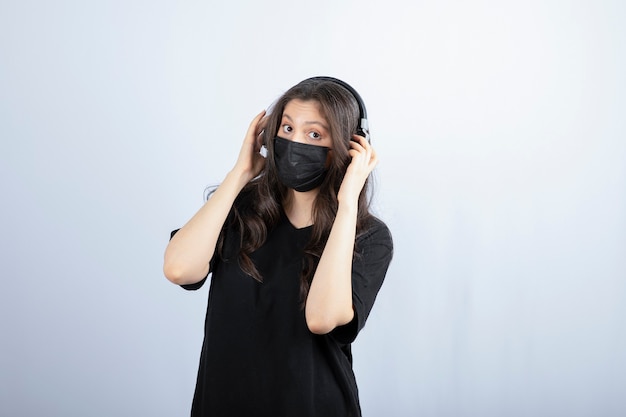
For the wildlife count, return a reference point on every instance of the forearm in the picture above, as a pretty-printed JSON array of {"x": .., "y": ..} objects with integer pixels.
[
  {"x": 188, "y": 253},
  {"x": 329, "y": 302}
]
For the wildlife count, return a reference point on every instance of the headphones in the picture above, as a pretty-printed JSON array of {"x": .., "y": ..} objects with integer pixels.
[{"x": 363, "y": 126}]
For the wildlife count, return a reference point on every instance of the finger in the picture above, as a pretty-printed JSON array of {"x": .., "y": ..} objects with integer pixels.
[
  {"x": 373, "y": 159},
  {"x": 353, "y": 153},
  {"x": 260, "y": 132},
  {"x": 250, "y": 135},
  {"x": 366, "y": 148},
  {"x": 366, "y": 156},
  {"x": 261, "y": 125},
  {"x": 357, "y": 145},
  {"x": 360, "y": 140}
]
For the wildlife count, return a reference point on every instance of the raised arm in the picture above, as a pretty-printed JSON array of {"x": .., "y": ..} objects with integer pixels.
[
  {"x": 190, "y": 250},
  {"x": 329, "y": 302}
]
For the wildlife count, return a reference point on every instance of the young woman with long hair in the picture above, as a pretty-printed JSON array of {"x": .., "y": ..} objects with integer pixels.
[{"x": 296, "y": 260}]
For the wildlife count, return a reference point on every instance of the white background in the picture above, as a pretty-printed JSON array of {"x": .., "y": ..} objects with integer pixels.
[{"x": 500, "y": 128}]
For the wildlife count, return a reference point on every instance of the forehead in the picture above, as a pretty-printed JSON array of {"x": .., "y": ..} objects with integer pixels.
[{"x": 308, "y": 109}]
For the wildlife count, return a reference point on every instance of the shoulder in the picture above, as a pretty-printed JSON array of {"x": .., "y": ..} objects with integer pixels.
[
  {"x": 374, "y": 242},
  {"x": 374, "y": 230}
]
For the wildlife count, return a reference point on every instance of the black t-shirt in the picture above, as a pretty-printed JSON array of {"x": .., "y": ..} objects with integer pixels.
[{"x": 258, "y": 356}]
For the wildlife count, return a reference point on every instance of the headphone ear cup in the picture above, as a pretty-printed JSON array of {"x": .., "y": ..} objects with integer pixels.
[{"x": 363, "y": 130}]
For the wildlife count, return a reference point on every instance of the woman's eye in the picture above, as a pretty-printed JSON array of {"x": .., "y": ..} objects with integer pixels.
[
  {"x": 287, "y": 128},
  {"x": 314, "y": 135}
]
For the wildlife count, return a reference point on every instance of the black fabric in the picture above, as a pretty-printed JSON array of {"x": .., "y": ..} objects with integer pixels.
[
  {"x": 258, "y": 356},
  {"x": 300, "y": 166}
]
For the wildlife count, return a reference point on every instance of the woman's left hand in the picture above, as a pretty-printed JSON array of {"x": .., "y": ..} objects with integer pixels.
[
  {"x": 329, "y": 302},
  {"x": 364, "y": 159}
]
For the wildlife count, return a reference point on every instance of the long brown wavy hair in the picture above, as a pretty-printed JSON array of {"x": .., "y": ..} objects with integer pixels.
[{"x": 266, "y": 194}]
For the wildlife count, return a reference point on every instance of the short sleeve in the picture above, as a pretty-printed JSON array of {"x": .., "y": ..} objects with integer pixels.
[
  {"x": 374, "y": 251},
  {"x": 230, "y": 245},
  {"x": 199, "y": 284}
]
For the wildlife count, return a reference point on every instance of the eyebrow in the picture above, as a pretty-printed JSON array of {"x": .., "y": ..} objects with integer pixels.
[{"x": 312, "y": 122}]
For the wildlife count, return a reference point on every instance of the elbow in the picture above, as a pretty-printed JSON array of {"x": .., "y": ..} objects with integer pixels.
[
  {"x": 319, "y": 326},
  {"x": 179, "y": 275},
  {"x": 324, "y": 324},
  {"x": 173, "y": 274}
]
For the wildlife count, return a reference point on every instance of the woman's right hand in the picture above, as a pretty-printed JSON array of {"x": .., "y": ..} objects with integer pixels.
[
  {"x": 188, "y": 254},
  {"x": 250, "y": 161}
]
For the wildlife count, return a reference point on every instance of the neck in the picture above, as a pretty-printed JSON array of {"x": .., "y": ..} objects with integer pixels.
[{"x": 299, "y": 207}]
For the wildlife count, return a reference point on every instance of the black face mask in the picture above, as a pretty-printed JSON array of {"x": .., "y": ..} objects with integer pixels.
[{"x": 300, "y": 166}]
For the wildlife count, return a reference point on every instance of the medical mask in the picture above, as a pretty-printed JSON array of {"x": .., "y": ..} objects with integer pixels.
[{"x": 300, "y": 166}]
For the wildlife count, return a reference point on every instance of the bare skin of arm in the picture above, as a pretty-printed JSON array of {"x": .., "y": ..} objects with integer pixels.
[
  {"x": 329, "y": 302},
  {"x": 187, "y": 256}
]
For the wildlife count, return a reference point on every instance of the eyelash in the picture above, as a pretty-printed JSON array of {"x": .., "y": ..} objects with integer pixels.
[{"x": 317, "y": 136}]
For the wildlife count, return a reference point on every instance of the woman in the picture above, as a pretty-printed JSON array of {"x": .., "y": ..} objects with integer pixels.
[{"x": 296, "y": 261}]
